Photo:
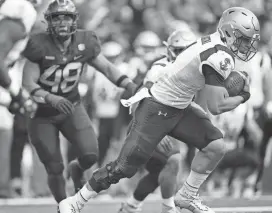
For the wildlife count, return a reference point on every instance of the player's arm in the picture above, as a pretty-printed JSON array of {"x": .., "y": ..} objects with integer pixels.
[
  {"x": 218, "y": 100},
  {"x": 10, "y": 32},
  {"x": 102, "y": 64},
  {"x": 31, "y": 75}
]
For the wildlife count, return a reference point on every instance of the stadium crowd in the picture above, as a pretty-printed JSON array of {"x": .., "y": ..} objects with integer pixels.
[{"x": 132, "y": 35}]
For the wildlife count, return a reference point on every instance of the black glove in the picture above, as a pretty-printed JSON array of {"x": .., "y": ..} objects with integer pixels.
[
  {"x": 23, "y": 104},
  {"x": 62, "y": 104},
  {"x": 245, "y": 93},
  {"x": 130, "y": 90}
]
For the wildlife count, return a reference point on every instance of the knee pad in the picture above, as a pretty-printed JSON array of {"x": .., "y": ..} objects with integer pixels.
[
  {"x": 54, "y": 168},
  {"x": 103, "y": 178},
  {"x": 87, "y": 160}
]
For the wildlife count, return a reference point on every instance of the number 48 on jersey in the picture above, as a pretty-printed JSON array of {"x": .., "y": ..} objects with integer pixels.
[{"x": 62, "y": 78}]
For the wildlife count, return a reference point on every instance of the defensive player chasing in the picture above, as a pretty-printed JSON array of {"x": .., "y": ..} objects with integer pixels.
[
  {"x": 16, "y": 21},
  {"x": 164, "y": 165},
  {"x": 56, "y": 59},
  {"x": 166, "y": 110}
]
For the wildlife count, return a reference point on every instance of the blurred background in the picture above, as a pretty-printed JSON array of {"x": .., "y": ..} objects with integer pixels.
[{"x": 132, "y": 34}]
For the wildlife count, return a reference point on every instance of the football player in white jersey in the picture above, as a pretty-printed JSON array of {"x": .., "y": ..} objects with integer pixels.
[
  {"x": 16, "y": 21},
  {"x": 166, "y": 110},
  {"x": 164, "y": 165}
]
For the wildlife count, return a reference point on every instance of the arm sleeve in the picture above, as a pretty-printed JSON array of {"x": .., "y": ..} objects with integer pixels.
[{"x": 212, "y": 77}]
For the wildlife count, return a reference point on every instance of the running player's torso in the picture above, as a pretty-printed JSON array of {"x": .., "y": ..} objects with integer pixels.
[
  {"x": 182, "y": 81},
  {"x": 60, "y": 72},
  {"x": 24, "y": 12}
]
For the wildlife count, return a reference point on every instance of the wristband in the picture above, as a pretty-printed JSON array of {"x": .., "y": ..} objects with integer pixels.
[
  {"x": 32, "y": 93},
  {"x": 245, "y": 95},
  {"x": 119, "y": 81}
]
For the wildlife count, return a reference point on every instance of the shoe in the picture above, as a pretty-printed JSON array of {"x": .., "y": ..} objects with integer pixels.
[
  {"x": 168, "y": 209},
  {"x": 192, "y": 203},
  {"x": 128, "y": 208},
  {"x": 71, "y": 205},
  {"x": 76, "y": 174}
]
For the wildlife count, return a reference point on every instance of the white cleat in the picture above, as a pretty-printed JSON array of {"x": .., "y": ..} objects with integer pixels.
[
  {"x": 191, "y": 203},
  {"x": 168, "y": 209},
  {"x": 71, "y": 205},
  {"x": 127, "y": 208}
]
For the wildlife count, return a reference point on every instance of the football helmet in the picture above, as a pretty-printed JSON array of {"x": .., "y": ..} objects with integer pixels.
[
  {"x": 61, "y": 16},
  {"x": 177, "y": 42},
  {"x": 35, "y": 3},
  {"x": 146, "y": 45},
  {"x": 239, "y": 28},
  {"x": 113, "y": 51}
]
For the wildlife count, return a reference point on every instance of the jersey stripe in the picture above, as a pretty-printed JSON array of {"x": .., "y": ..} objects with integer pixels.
[{"x": 207, "y": 53}]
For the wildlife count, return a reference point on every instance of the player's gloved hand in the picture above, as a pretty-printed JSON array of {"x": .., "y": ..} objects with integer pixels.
[
  {"x": 62, "y": 104},
  {"x": 22, "y": 103},
  {"x": 130, "y": 90},
  {"x": 245, "y": 92}
]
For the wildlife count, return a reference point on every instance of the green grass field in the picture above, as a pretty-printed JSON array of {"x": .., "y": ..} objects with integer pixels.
[{"x": 152, "y": 205}]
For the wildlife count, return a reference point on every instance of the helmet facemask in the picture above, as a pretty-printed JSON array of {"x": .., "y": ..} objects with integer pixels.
[
  {"x": 173, "y": 52},
  {"x": 245, "y": 47},
  {"x": 62, "y": 24}
]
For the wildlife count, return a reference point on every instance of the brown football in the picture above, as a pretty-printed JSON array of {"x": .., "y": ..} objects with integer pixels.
[{"x": 234, "y": 83}]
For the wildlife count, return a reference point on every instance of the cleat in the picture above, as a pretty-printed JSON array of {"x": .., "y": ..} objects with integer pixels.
[
  {"x": 71, "y": 205},
  {"x": 76, "y": 174},
  {"x": 168, "y": 209},
  {"x": 128, "y": 208},
  {"x": 191, "y": 203}
]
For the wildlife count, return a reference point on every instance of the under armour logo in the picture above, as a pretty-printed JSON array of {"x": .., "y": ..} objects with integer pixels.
[{"x": 160, "y": 113}]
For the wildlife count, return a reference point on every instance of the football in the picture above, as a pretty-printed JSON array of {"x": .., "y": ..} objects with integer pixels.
[{"x": 234, "y": 83}]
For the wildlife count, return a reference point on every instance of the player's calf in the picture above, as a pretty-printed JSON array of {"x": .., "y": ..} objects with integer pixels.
[
  {"x": 168, "y": 180},
  {"x": 56, "y": 180},
  {"x": 77, "y": 167}
]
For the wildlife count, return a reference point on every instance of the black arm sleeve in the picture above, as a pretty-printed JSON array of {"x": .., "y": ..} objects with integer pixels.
[{"x": 212, "y": 77}]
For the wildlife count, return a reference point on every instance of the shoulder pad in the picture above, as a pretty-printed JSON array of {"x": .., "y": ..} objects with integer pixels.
[
  {"x": 33, "y": 50},
  {"x": 89, "y": 42},
  {"x": 21, "y": 10}
]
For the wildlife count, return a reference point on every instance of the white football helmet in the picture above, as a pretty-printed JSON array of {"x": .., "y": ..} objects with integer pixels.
[{"x": 240, "y": 29}]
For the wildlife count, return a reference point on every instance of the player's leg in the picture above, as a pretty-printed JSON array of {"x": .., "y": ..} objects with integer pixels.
[
  {"x": 77, "y": 128},
  {"x": 195, "y": 128},
  {"x": 146, "y": 185},
  {"x": 45, "y": 137},
  {"x": 168, "y": 177},
  {"x": 151, "y": 123},
  {"x": 267, "y": 133}
]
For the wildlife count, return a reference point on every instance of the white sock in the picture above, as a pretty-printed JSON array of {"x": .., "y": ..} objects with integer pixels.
[
  {"x": 194, "y": 181},
  {"x": 132, "y": 201},
  {"x": 169, "y": 202},
  {"x": 85, "y": 193}
]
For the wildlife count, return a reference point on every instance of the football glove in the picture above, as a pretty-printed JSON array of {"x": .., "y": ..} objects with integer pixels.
[
  {"x": 62, "y": 104},
  {"x": 23, "y": 104},
  {"x": 130, "y": 90}
]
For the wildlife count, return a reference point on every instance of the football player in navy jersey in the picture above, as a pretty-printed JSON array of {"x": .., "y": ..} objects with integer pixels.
[{"x": 55, "y": 62}]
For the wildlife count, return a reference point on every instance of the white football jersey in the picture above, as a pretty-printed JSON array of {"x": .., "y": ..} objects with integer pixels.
[
  {"x": 183, "y": 78},
  {"x": 19, "y": 10},
  {"x": 156, "y": 71}
]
